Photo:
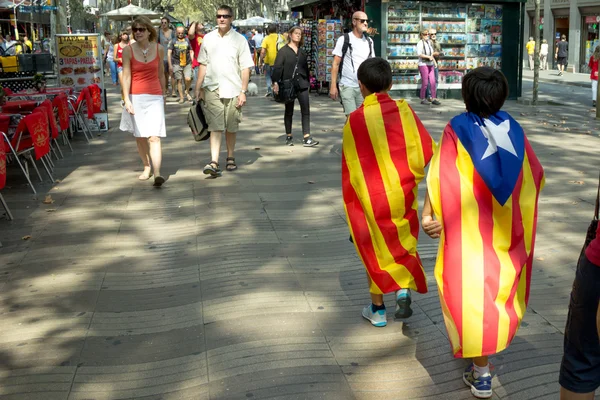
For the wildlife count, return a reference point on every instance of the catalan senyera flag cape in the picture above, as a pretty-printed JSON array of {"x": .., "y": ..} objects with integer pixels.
[
  {"x": 385, "y": 151},
  {"x": 484, "y": 183}
]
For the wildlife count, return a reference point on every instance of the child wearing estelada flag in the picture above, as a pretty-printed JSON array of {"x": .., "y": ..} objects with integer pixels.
[
  {"x": 385, "y": 151},
  {"x": 483, "y": 187}
]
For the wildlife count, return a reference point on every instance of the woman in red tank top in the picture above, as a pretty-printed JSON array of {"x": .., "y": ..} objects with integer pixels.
[{"x": 143, "y": 83}]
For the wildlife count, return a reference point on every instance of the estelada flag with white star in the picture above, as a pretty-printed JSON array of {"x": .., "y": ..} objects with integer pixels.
[
  {"x": 484, "y": 183},
  {"x": 385, "y": 151}
]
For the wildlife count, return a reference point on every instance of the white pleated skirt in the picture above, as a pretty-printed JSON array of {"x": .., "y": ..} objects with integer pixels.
[{"x": 149, "y": 117}]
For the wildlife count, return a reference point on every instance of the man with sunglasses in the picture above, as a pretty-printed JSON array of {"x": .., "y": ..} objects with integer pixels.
[
  {"x": 223, "y": 77},
  {"x": 350, "y": 51}
]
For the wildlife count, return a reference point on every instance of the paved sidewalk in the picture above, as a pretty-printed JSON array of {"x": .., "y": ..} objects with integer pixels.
[
  {"x": 246, "y": 286},
  {"x": 568, "y": 78}
]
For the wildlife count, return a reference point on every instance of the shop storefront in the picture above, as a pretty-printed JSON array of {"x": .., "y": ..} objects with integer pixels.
[
  {"x": 590, "y": 34},
  {"x": 471, "y": 35}
]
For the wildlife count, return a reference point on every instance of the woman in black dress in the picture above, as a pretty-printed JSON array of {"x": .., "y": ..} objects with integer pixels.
[{"x": 292, "y": 63}]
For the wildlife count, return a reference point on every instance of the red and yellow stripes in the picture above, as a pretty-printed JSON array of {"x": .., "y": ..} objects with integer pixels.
[
  {"x": 483, "y": 268},
  {"x": 385, "y": 151}
]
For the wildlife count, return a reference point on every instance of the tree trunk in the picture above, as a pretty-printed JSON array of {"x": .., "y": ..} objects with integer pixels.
[{"x": 536, "y": 53}]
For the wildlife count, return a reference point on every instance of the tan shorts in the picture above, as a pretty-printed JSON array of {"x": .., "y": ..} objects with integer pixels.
[{"x": 221, "y": 114}]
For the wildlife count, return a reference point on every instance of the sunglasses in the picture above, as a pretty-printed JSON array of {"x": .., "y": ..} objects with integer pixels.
[
  {"x": 362, "y": 21},
  {"x": 223, "y": 16},
  {"x": 138, "y": 30}
]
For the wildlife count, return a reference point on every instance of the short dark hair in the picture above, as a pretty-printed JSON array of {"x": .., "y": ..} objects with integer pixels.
[
  {"x": 272, "y": 28},
  {"x": 484, "y": 91},
  {"x": 375, "y": 74},
  {"x": 259, "y": 30},
  {"x": 225, "y": 7}
]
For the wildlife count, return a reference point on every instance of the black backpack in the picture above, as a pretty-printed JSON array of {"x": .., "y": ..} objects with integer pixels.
[{"x": 347, "y": 46}]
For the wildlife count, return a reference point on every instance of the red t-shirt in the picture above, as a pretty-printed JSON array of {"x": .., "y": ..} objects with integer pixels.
[
  {"x": 594, "y": 68},
  {"x": 593, "y": 250},
  {"x": 196, "y": 43}
]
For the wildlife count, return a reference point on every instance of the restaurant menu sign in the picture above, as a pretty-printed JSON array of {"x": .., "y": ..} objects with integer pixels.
[{"x": 79, "y": 60}]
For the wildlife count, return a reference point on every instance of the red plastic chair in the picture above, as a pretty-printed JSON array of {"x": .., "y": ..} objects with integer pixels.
[
  {"x": 21, "y": 145},
  {"x": 8, "y": 91},
  {"x": 96, "y": 93},
  {"x": 38, "y": 127},
  {"x": 78, "y": 106},
  {"x": 61, "y": 104},
  {"x": 3, "y": 176},
  {"x": 46, "y": 106}
]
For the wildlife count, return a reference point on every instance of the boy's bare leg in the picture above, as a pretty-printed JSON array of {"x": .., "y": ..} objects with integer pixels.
[
  {"x": 481, "y": 361},
  {"x": 376, "y": 299},
  {"x": 568, "y": 395}
]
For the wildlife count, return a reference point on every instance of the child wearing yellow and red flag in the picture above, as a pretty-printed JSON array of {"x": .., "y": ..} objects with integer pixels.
[
  {"x": 483, "y": 187},
  {"x": 385, "y": 151}
]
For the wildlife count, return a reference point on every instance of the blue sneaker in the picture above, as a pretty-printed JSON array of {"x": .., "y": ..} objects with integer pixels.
[
  {"x": 481, "y": 387},
  {"x": 377, "y": 318},
  {"x": 403, "y": 301}
]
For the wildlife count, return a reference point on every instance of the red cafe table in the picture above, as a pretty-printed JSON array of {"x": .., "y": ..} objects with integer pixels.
[{"x": 18, "y": 107}]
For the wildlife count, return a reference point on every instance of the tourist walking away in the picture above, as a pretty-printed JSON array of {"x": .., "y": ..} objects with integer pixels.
[
  {"x": 530, "y": 46},
  {"x": 258, "y": 39},
  {"x": 437, "y": 52},
  {"x": 561, "y": 54},
  {"x": 291, "y": 64},
  {"x": 165, "y": 35},
  {"x": 483, "y": 187},
  {"x": 223, "y": 78},
  {"x": 180, "y": 64},
  {"x": 580, "y": 368},
  {"x": 118, "y": 54},
  {"x": 351, "y": 50},
  {"x": 270, "y": 45},
  {"x": 544, "y": 55},
  {"x": 110, "y": 62},
  {"x": 196, "y": 36},
  {"x": 593, "y": 65},
  {"x": 427, "y": 69},
  {"x": 143, "y": 85},
  {"x": 385, "y": 151}
]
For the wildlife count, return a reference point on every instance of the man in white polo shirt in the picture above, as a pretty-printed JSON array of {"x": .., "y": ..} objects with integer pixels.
[
  {"x": 223, "y": 77},
  {"x": 350, "y": 51}
]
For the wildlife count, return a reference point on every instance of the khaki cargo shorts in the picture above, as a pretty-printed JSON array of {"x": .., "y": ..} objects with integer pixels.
[{"x": 221, "y": 114}]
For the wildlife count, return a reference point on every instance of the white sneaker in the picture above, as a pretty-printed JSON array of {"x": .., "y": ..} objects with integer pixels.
[{"x": 377, "y": 318}]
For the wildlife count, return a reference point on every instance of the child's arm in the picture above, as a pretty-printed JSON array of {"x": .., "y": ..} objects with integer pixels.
[{"x": 430, "y": 226}]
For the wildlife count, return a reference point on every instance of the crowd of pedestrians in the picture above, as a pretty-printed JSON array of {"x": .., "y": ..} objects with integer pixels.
[{"x": 483, "y": 178}]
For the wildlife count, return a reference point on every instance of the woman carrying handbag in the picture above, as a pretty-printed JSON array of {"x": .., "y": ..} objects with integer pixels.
[
  {"x": 580, "y": 368},
  {"x": 290, "y": 77}
]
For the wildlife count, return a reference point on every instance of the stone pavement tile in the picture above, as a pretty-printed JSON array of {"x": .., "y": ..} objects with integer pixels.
[
  {"x": 168, "y": 378},
  {"x": 251, "y": 283},
  {"x": 142, "y": 348},
  {"x": 138, "y": 280},
  {"x": 346, "y": 261},
  {"x": 314, "y": 382},
  {"x": 46, "y": 351},
  {"x": 51, "y": 383},
  {"x": 143, "y": 322},
  {"x": 220, "y": 266},
  {"x": 42, "y": 322},
  {"x": 61, "y": 302},
  {"x": 158, "y": 250},
  {"x": 121, "y": 300},
  {"x": 259, "y": 303},
  {"x": 234, "y": 231},
  {"x": 268, "y": 354}
]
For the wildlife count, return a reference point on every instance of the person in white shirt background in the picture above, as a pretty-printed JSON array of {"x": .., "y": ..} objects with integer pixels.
[
  {"x": 361, "y": 48},
  {"x": 544, "y": 55},
  {"x": 223, "y": 77},
  {"x": 258, "y": 39}
]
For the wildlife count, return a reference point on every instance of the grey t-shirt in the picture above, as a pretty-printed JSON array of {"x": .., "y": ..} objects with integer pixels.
[
  {"x": 563, "y": 48},
  {"x": 165, "y": 40}
]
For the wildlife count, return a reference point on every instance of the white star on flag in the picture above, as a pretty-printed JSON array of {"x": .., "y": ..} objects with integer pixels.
[{"x": 497, "y": 136}]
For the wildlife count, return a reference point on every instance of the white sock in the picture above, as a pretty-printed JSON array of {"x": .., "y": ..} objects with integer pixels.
[{"x": 480, "y": 371}]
